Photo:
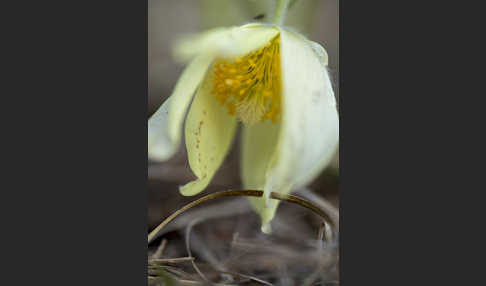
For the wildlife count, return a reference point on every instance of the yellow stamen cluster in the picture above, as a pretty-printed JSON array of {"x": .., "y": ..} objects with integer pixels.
[{"x": 250, "y": 86}]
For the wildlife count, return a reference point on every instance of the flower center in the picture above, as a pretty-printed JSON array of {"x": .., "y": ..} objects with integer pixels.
[{"x": 250, "y": 86}]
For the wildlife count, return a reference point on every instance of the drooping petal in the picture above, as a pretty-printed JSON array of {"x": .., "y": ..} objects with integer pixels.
[
  {"x": 209, "y": 133},
  {"x": 309, "y": 133},
  {"x": 159, "y": 145},
  {"x": 259, "y": 143},
  {"x": 165, "y": 125},
  {"x": 225, "y": 42},
  {"x": 320, "y": 52}
]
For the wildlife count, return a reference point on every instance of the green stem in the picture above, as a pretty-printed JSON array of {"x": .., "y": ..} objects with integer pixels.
[{"x": 280, "y": 12}]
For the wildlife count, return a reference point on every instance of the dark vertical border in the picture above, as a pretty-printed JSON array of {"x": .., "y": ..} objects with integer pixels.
[
  {"x": 401, "y": 134},
  {"x": 78, "y": 74},
  {"x": 364, "y": 155}
]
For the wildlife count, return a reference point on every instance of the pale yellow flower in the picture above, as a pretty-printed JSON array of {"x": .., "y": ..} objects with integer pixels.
[{"x": 272, "y": 80}]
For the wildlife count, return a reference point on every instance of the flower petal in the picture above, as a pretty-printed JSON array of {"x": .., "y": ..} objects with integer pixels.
[
  {"x": 165, "y": 125},
  {"x": 258, "y": 146},
  {"x": 309, "y": 134},
  {"x": 320, "y": 52},
  {"x": 209, "y": 133},
  {"x": 188, "y": 46},
  {"x": 259, "y": 143},
  {"x": 160, "y": 147},
  {"x": 310, "y": 125},
  {"x": 225, "y": 42}
]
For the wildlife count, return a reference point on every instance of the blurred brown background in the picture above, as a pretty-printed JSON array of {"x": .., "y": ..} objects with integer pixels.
[{"x": 168, "y": 19}]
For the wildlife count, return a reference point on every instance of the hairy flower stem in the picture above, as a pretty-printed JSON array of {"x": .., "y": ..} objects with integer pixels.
[{"x": 280, "y": 12}]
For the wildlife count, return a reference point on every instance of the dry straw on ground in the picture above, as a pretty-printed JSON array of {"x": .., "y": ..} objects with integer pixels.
[{"x": 222, "y": 245}]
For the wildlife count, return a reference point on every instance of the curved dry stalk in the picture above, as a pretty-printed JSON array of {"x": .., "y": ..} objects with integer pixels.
[
  {"x": 305, "y": 204},
  {"x": 321, "y": 202},
  {"x": 227, "y": 208},
  {"x": 251, "y": 193},
  {"x": 325, "y": 230}
]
